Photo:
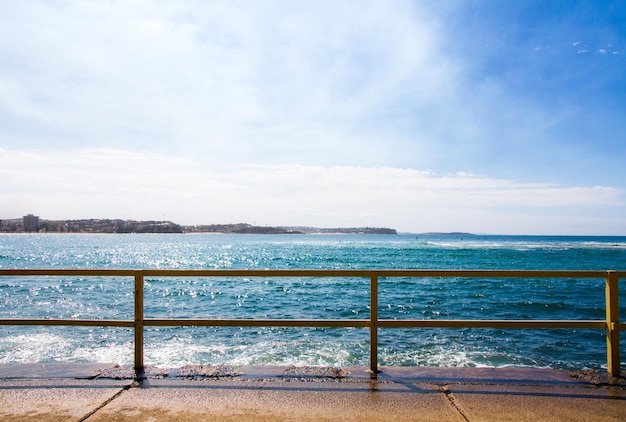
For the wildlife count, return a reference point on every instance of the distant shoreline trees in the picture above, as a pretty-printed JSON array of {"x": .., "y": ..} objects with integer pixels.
[{"x": 135, "y": 226}]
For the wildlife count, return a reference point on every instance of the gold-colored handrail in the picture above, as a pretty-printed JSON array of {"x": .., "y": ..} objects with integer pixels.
[{"x": 611, "y": 324}]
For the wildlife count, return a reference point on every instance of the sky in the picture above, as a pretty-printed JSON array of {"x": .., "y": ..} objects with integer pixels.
[{"x": 498, "y": 117}]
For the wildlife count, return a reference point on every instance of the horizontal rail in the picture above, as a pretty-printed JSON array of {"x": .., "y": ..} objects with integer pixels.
[
  {"x": 257, "y": 322},
  {"x": 491, "y": 323},
  {"x": 69, "y": 322},
  {"x": 432, "y": 323},
  {"x": 313, "y": 273},
  {"x": 61, "y": 272},
  {"x": 404, "y": 323}
]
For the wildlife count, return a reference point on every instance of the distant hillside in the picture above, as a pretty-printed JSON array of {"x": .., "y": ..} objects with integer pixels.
[
  {"x": 240, "y": 228},
  {"x": 93, "y": 225},
  {"x": 243, "y": 228}
]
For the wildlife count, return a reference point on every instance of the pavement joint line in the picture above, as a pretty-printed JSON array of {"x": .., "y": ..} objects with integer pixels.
[
  {"x": 444, "y": 389},
  {"x": 107, "y": 401}
]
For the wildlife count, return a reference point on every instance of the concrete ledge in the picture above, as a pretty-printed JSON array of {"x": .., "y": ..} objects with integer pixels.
[
  {"x": 105, "y": 392},
  {"x": 457, "y": 375},
  {"x": 52, "y": 370}
]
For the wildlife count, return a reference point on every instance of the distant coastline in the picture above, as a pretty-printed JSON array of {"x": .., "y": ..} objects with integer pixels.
[{"x": 33, "y": 224}]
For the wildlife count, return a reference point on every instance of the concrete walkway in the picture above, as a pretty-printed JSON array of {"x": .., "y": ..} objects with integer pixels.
[{"x": 60, "y": 392}]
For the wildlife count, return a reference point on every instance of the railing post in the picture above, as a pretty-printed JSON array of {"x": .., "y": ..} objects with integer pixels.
[
  {"x": 139, "y": 367},
  {"x": 374, "y": 326},
  {"x": 612, "y": 322}
]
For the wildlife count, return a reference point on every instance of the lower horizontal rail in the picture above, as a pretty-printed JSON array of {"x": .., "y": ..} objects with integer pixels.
[
  {"x": 256, "y": 322},
  {"x": 328, "y": 323},
  {"x": 69, "y": 322},
  {"x": 465, "y": 323}
]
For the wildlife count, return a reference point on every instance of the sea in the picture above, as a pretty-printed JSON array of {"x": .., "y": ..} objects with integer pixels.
[{"x": 74, "y": 297}]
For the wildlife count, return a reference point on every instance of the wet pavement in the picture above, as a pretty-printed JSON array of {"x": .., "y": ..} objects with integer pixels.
[{"x": 101, "y": 392}]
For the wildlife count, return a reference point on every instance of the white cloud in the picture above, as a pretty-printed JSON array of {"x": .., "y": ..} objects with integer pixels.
[{"x": 117, "y": 184}]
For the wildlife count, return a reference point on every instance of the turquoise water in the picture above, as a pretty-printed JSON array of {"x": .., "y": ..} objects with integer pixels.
[{"x": 310, "y": 298}]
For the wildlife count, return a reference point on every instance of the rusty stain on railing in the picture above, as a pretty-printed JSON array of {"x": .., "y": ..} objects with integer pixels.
[{"x": 611, "y": 324}]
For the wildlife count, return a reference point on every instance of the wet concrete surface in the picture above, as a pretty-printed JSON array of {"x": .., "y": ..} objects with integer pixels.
[{"x": 77, "y": 392}]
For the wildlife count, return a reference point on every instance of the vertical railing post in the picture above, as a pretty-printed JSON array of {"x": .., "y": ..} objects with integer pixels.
[
  {"x": 612, "y": 322},
  {"x": 374, "y": 326},
  {"x": 139, "y": 367}
]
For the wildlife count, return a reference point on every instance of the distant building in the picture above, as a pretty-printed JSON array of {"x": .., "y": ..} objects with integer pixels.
[{"x": 31, "y": 223}]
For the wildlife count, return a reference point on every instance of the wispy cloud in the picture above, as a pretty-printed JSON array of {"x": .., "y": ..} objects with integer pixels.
[{"x": 253, "y": 81}]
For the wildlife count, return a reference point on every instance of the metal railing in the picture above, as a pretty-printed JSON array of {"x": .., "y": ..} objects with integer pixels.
[{"x": 611, "y": 323}]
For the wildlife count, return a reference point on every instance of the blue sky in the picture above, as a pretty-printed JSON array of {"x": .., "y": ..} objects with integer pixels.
[{"x": 480, "y": 116}]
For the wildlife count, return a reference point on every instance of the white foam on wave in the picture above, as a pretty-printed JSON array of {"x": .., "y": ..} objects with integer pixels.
[
  {"x": 32, "y": 348},
  {"x": 453, "y": 356},
  {"x": 528, "y": 245},
  {"x": 177, "y": 352},
  {"x": 112, "y": 353},
  {"x": 276, "y": 352},
  {"x": 50, "y": 347}
]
